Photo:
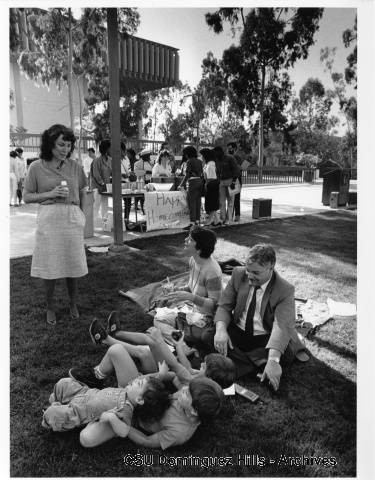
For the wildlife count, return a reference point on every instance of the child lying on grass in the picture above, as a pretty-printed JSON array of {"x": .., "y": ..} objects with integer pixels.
[{"x": 74, "y": 404}]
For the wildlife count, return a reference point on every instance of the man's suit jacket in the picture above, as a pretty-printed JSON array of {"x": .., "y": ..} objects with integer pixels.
[{"x": 277, "y": 308}]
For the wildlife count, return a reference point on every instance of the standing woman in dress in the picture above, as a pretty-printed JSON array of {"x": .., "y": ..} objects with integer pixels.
[
  {"x": 211, "y": 197},
  {"x": 58, "y": 184}
]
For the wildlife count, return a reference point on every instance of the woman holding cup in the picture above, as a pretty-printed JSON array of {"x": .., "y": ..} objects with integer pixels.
[
  {"x": 58, "y": 184},
  {"x": 205, "y": 277}
]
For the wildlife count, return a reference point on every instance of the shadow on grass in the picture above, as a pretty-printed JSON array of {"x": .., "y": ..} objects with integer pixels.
[{"x": 312, "y": 415}]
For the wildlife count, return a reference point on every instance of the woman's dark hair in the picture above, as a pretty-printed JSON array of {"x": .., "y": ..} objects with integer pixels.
[
  {"x": 190, "y": 152},
  {"x": 205, "y": 240},
  {"x": 49, "y": 138},
  {"x": 156, "y": 400},
  {"x": 19, "y": 150},
  {"x": 104, "y": 145},
  {"x": 131, "y": 151},
  {"x": 163, "y": 153},
  {"x": 91, "y": 150},
  {"x": 219, "y": 153},
  {"x": 208, "y": 155},
  {"x": 204, "y": 153},
  {"x": 13, "y": 154}
]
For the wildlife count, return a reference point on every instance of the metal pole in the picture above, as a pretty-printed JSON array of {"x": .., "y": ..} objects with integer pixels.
[{"x": 114, "y": 109}]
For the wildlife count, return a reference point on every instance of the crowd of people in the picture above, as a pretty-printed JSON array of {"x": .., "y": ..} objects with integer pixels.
[
  {"x": 160, "y": 399},
  {"x": 212, "y": 176}
]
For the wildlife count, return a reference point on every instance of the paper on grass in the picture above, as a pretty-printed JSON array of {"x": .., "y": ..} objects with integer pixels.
[
  {"x": 341, "y": 309},
  {"x": 230, "y": 390}
]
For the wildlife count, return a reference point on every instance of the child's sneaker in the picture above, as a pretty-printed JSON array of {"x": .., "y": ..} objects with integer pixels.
[
  {"x": 86, "y": 376},
  {"x": 113, "y": 323},
  {"x": 97, "y": 332}
]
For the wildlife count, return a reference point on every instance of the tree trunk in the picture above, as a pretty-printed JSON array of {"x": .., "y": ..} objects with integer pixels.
[
  {"x": 261, "y": 107},
  {"x": 70, "y": 61},
  {"x": 197, "y": 142}
]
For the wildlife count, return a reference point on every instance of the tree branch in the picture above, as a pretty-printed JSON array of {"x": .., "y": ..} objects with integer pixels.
[
  {"x": 243, "y": 18},
  {"x": 280, "y": 12}
]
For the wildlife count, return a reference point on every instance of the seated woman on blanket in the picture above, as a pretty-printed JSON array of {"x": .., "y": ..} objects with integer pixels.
[{"x": 205, "y": 279}]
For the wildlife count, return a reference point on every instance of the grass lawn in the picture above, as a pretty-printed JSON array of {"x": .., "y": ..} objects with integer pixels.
[{"x": 313, "y": 414}]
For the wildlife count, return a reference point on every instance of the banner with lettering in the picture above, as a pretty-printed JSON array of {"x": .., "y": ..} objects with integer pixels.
[{"x": 166, "y": 210}]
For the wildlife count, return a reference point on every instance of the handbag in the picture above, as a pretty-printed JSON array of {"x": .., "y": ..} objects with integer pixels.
[
  {"x": 192, "y": 333},
  {"x": 236, "y": 189}
]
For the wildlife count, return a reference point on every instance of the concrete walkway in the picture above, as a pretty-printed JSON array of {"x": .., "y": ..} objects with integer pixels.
[{"x": 287, "y": 200}]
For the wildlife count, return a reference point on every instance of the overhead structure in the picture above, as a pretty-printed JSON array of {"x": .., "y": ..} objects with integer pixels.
[{"x": 146, "y": 65}]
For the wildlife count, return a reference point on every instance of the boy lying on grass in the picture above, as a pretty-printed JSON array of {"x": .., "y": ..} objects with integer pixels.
[
  {"x": 215, "y": 366},
  {"x": 73, "y": 404}
]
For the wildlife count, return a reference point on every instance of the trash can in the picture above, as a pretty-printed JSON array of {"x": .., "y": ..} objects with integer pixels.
[
  {"x": 308, "y": 175},
  {"x": 335, "y": 179},
  {"x": 352, "y": 199},
  {"x": 262, "y": 207},
  {"x": 88, "y": 210}
]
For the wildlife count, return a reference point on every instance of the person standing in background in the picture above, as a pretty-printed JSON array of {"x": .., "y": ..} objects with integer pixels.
[
  {"x": 143, "y": 171},
  {"x": 58, "y": 184},
  {"x": 211, "y": 196},
  {"x": 91, "y": 153},
  {"x": 125, "y": 162},
  {"x": 194, "y": 180},
  {"x": 172, "y": 161},
  {"x": 228, "y": 173},
  {"x": 232, "y": 149},
  {"x": 21, "y": 173},
  {"x": 162, "y": 167},
  {"x": 13, "y": 177},
  {"x": 100, "y": 173},
  {"x": 130, "y": 153}
]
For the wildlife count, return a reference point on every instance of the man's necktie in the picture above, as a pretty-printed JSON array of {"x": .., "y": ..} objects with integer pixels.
[{"x": 249, "y": 327}]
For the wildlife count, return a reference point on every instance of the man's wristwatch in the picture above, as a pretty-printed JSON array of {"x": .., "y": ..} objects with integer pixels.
[{"x": 275, "y": 359}]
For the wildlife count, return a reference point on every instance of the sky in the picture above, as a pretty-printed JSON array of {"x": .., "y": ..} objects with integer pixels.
[{"x": 186, "y": 29}]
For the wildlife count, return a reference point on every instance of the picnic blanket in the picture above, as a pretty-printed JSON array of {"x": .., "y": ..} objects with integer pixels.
[{"x": 150, "y": 297}]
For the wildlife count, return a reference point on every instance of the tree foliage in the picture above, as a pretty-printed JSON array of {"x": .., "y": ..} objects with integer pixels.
[
  {"x": 311, "y": 110},
  {"x": 44, "y": 54},
  {"x": 349, "y": 37},
  {"x": 163, "y": 107},
  {"x": 347, "y": 105},
  {"x": 131, "y": 112},
  {"x": 272, "y": 40},
  {"x": 310, "y": 114}
]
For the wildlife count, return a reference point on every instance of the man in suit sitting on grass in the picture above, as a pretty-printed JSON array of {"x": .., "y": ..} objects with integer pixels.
[{"x": 256, "y": 319}]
